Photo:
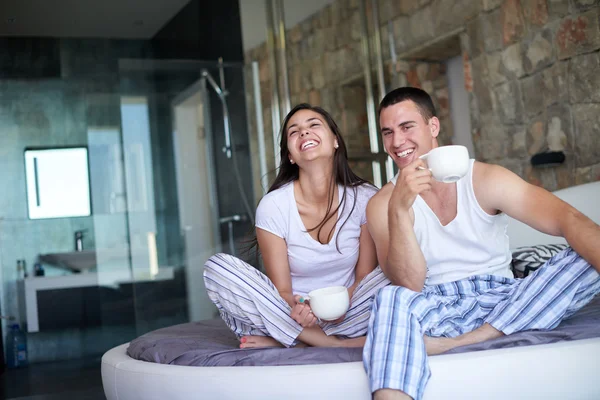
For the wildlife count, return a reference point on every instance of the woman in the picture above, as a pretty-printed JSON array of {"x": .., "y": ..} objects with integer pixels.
[{"x": 312, "y": 233}]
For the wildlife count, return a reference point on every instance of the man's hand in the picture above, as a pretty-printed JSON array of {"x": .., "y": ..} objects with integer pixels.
[
  {"x": 390, "y": 220},
  {"x": 413, "y": 180}
]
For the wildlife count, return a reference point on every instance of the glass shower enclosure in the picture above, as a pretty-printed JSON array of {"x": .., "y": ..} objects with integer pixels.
[
  {"x": 167, "y": 173},
  {"x": 184, "y": 188}
]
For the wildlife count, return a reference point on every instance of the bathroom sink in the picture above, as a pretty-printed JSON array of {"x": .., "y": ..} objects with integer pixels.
[{"x": 76, "y": 261}]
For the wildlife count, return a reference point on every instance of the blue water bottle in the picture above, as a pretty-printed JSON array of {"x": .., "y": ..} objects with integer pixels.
[{"x": 17, "y": 348}]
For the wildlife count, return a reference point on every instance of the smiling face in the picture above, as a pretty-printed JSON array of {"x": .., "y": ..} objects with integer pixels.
[
  {"x": 309, "y": 137},
  {"x": 406, "y": 133}
]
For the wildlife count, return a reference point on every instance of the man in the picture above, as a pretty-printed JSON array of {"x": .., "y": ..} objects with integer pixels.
[{"x": 444, "y": 247}]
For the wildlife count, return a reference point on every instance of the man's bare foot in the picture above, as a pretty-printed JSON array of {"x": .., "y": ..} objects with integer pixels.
[
  {"x": 389, "y": 394},
  {"x": 438, "y": 345},
  {"x": 250, "y": 342}
]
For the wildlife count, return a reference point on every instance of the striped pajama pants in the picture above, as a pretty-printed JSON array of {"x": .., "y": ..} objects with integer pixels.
[
  {"x": 250, "y": 304},
  {"x": 394, "y": 354}
]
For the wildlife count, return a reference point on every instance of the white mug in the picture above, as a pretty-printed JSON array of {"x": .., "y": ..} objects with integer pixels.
[
  {"x": 447, "y": 163},
  {"x": 329, "y": 303}
]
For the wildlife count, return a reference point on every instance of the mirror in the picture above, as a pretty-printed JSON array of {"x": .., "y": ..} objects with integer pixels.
[{"x": 57, "y": 182}]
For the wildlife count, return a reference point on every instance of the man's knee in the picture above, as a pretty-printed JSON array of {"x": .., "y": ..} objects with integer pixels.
[
  {"x": 394, "y": 296},
  {"x": 568, "y": 260}
]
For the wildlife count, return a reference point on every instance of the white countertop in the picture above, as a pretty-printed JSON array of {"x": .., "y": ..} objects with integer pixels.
[{"x": 31, "y": 285}]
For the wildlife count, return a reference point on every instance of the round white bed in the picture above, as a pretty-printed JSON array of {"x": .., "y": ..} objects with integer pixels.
[{"x": 566, "y": 369}]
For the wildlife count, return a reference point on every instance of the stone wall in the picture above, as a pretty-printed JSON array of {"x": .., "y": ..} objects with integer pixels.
[{"x": 531, "y": 70}]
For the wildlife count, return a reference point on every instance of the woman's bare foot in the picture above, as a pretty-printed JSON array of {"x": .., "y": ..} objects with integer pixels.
[
  {"x": 250, "y": 342},
  {"x": 438, "y": 345}
]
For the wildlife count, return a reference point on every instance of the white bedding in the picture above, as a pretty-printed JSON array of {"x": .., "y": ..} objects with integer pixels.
[{"x": 563, "y": 370}]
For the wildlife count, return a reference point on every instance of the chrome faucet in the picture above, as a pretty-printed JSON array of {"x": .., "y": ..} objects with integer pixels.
[{"x": 79, "y": 240}]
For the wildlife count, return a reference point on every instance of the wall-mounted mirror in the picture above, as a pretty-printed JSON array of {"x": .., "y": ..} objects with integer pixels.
[{"x": 58, "y": 182}]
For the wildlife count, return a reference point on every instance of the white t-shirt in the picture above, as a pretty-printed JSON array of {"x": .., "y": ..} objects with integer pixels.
[{"x": 314, "y": 265}]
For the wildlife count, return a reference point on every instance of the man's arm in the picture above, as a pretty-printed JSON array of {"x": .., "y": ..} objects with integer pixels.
[
  {"x": 398, "y": 251},
  {"x": 496, "y": 188}
]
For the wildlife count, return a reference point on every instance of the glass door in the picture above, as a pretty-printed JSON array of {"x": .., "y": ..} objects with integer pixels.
[
  {"x": 196, "y": 191},
  {"x": 187, "y": 171}
]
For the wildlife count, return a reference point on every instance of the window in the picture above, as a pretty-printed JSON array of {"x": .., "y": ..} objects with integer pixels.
[{"x": 57, "y": 182}]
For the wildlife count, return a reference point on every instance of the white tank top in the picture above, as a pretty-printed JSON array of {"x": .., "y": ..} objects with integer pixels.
[{"x": 473, "y": 243}]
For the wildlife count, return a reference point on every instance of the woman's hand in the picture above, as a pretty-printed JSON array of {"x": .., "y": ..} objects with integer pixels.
[{"x": 302, "y": 313}]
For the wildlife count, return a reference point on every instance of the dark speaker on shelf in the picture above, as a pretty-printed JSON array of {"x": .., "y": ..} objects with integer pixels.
[{"x": 548, "y": 159}]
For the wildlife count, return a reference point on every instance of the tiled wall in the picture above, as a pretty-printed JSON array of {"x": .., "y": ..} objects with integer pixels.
[
  {"x": 61, "y": 90},
  {"x": 48, "y": 113},
  {"x": 57, "y": 108},
  {"x": 51, "y": 92}
]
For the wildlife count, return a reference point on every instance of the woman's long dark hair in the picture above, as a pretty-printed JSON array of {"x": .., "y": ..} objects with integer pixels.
[{"x": 342, "y": 174}]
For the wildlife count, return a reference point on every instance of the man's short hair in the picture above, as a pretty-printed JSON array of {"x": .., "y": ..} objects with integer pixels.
[{"x": 418, "y": 96}]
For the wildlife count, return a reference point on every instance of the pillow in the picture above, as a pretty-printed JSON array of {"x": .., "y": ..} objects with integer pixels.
[{"x": 527, "y": 259}]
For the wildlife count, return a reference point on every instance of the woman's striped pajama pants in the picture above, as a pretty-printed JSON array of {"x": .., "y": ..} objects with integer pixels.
[{"x": 250, "y": 304}]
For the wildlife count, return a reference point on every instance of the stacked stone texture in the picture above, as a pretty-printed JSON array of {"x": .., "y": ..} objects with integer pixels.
[{"x": 532, "y": 70}]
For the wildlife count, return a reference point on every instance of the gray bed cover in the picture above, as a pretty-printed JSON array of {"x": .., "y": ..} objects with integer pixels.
[{"x": 211, "y": 343}]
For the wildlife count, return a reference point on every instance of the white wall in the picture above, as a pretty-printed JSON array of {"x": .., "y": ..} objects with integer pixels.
[
  {"x": 459, "y": 104},
  {"x": 254, "y": 19}
]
